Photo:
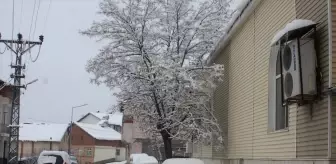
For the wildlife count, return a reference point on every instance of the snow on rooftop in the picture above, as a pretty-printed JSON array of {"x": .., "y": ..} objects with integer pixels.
[
  {"x": 295, "y": 24},
  {"x": 42, "y": 132},
  {"x": 99, "y": 132},
  {"x": 114, "y": 119}
]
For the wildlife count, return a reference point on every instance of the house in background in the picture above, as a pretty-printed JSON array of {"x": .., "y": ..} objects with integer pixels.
[
  {"x": 5, "y": 108},
  {"x": 105, "y": 119},
  {"x": 36, "y": 137},
  {"x": 133, "y": 135},
  {"x": 92, "y": 143},
  {"x": 140, "y": 143},
  {"x": 258, "y": 125}
]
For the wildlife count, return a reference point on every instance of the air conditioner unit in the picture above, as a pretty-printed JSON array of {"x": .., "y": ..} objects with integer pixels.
[{"x": 293, "y": 69}]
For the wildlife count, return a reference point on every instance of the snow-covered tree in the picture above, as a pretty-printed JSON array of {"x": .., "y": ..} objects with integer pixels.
[{"x": 155, "y": 55}]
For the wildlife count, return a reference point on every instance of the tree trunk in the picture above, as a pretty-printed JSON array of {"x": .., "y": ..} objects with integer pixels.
[{"x": 167, "y": 141}]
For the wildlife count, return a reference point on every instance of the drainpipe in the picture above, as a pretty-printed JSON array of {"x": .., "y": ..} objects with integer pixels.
[{"x": 330, "y": 81}]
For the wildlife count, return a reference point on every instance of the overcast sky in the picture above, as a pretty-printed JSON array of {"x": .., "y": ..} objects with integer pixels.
[
  {"x": 63, "y": 81},
  {"x": 60, "y": 68}
]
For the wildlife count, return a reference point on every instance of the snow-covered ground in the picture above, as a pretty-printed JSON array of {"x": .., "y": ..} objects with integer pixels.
[
  {"x": 183, "y": 161},
  {"x": 143, "y": 159},
  {"x": 123, "y": 162}
]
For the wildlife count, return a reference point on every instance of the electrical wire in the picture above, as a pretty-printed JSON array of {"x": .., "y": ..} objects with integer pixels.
[
  {"x": 21, "y": 15},
  {"x": 32, "y": 19},
  {"x": 38, "y": 9},
  {"x": 46, "y": 19},
  {"x": 4, "y": 50},
  {"x": 13, "y": 11},
  {"x": 38, "y": 54}
]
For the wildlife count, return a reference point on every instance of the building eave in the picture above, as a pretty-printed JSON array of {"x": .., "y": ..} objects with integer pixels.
[{"x": 247, "y": 10}]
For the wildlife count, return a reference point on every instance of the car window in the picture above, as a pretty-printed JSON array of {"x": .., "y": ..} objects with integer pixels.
[{"x": 56, "y": 160}]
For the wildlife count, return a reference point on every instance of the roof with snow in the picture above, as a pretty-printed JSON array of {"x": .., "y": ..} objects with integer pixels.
[
  {"x": 114, "y": 119},
  {"x": 42, "y": 132},
  {"x": 100, "y": 133}
]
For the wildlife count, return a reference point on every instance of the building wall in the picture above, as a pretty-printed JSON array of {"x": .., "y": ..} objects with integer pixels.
[
  {"x": 122, "y": 155},
  {"x": 5, "y": 107},
  {"x": 81, "y": 142},
  {"x": 245, "y": 59},
  {"x": 80, "y": 137},
  {"x": 136, "y": 147},
  {"x": 247, "y": 65},
  {"x": 30, "y": 148},
  {"x": 333, "y": 58},
  {"x": 127, "y": 132},
  {"x": 247, "y": 56},
  {"x": 220, "y": 104},
  {"x": 312, "y": 129},
  {"x": 82, "y": 155},
  {"x": 202, "y": 151},
  {"x": 89, "y": 119},
  {"x": 105, "y": 153}
]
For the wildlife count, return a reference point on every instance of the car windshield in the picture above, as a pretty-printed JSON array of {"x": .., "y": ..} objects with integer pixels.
[{"x": 56, "y": 160}]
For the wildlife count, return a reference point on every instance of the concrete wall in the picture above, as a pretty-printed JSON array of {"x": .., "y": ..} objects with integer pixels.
[{"x": 30, "y": 148}]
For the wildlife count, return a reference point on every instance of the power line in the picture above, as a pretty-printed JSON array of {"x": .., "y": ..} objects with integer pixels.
[
  {"x": 38, "y": 9},
  {"x": 21, "y": 15},
  {"x": 32, "y": 19},
  {"x": 38, "y": 54},
  {"x": 13, "y": 11},
  {"x": 46, "y": 20}
]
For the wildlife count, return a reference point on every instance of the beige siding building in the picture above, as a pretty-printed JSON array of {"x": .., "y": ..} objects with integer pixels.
[{"x": 308, "y": 132}]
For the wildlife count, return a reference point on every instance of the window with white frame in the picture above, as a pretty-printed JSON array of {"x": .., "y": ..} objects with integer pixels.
[{"x": 277, "y": 112}]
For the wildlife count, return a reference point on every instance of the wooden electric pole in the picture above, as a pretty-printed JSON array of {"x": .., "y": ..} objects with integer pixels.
[{"x": 18, "y": 47}]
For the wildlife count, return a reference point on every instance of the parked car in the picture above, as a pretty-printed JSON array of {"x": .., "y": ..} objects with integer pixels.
[
  {"x": 143, "y": 159},
  {"x": 54, "y": 157},
  {"x": 73, "y": 159}
]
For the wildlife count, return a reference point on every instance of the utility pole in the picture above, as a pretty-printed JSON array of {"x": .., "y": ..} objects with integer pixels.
[{"x": 19, "y": 47}]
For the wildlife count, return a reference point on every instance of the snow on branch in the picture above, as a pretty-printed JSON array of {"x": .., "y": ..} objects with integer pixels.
[{"x": 155, "y": 56}]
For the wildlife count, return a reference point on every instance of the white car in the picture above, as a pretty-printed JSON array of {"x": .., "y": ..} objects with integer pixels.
[{"x": 54, "y": 157}]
